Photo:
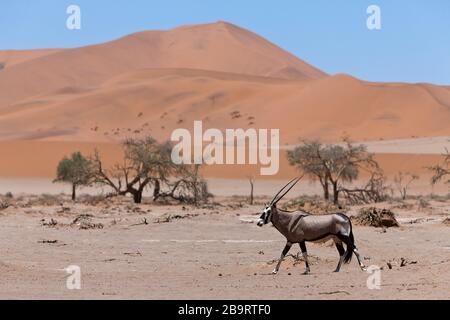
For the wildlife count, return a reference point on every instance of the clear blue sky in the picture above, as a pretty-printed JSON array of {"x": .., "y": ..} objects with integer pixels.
[{"x": 412, "y": 46}]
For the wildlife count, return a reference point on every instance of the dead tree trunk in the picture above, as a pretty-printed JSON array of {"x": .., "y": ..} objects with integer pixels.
[
  {"x": 137, "y": 197},
  {"x": 156, "y": 190},
  {"x": 335, "y": 192},
  {"x": 74, "y": 187},
  {"x": 250, "y": 180}
]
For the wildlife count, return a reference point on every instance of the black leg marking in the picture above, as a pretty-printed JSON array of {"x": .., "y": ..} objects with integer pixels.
[
  {"x": 305, "y": 256},
  {"x": 341, "y": 250},
  {"x": 283, "y": 254}
]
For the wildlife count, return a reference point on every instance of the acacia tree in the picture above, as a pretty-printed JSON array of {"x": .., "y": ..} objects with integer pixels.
[
  {"x": 76, "y": 170},
  {"x": 145, "y": 161},
  {"x": 441, "y": 171},
  {"x": 308, "y": 158},
  {"x": 333, "y": 165},
  {"x": 146, "y": 164}
]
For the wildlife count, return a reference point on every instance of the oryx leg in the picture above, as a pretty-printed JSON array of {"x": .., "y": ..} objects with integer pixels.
[
  {"x": 305, "y": 256},
  {"x": 283, "y": 254},
  {"x": 351, "y": 246},
  {"x": 341, "y": 250},
  {"x": 361, "y": 264}
]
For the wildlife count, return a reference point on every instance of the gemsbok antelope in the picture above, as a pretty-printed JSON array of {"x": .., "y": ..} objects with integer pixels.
[{"x": 299, "y": 227}]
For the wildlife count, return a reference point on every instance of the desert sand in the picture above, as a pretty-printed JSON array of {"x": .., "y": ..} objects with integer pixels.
[
  {"x": 57, "y": 101},
  {"x": 211, "y": 252}
]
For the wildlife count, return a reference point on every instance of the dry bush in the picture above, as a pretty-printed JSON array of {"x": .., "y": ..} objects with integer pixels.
[
  {"x": 51, "y": 224},
  {"x": 423, "y": 204},
  {"x": 45, "y": 200},
  {"x": 374, "y": 217},
  {"x": 92, "y": 200},
  {"x": 403, "y": 181},
  {"x": 373, "y": 191},
  {"x": 446, "y": 221},
  {"x": 4, "y": 205},
  {"x": 84, "y": 222},
  {"x": 400, "y": 204},
  {"x": 295, "y": 259},
  {"x": 441, "y": 171}
]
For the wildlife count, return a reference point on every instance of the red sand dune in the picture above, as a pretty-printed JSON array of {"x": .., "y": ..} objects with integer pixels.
[
  {"x": 156, "y": 101},
  {"x": 155, "y": 81},
  {"x": 218, "y": 46},
  {"x": 10, "y": 58}
]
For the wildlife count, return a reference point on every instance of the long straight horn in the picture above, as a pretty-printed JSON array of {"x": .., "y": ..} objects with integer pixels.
[
  {"x": 289, "y": 189},
  {"x": 273, "y": 200}
]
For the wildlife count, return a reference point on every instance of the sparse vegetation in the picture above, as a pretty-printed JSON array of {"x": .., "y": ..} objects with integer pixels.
[
  {"x": 76, "y": 170},
  {"x": 446, "y": 221},
  {"x": 44, "y": 199},
  {"x": 146, "y": 164},
  {"x": 441, "y": 172},
  {"x": 145, "y": 161},
  {"x": 84, "y": 222},
  {"x": 92, "y": 200},
  {"x": 374, "y": 217},
  {"x": 187, "y": 186},
  {"x": 403, "y": 181},
  {"x": 334, "y": 165},
  {"x": 4, "y": 205}
]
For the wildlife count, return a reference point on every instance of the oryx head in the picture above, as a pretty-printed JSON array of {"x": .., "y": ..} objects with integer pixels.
[{"x": 266, "y": 215}]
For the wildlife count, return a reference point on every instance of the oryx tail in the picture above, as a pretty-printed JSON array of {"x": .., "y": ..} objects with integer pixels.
[{"x": 350, "y": 245}]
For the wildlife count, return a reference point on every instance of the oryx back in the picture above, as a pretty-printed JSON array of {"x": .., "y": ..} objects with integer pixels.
[
  {"x": 324, "y": 227},
  {"x": 298, "y": 226}
]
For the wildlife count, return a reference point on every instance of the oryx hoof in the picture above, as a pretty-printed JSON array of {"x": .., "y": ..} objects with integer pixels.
[
  {"x": 306, "y": 272},
  {"x": 274, "y": 271},
  {"x": 337, "y": 270},
  {"x": 363, "y": 268}
]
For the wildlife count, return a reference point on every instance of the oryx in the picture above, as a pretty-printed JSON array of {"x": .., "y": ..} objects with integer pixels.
[{"x": 299, "y": 227}]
